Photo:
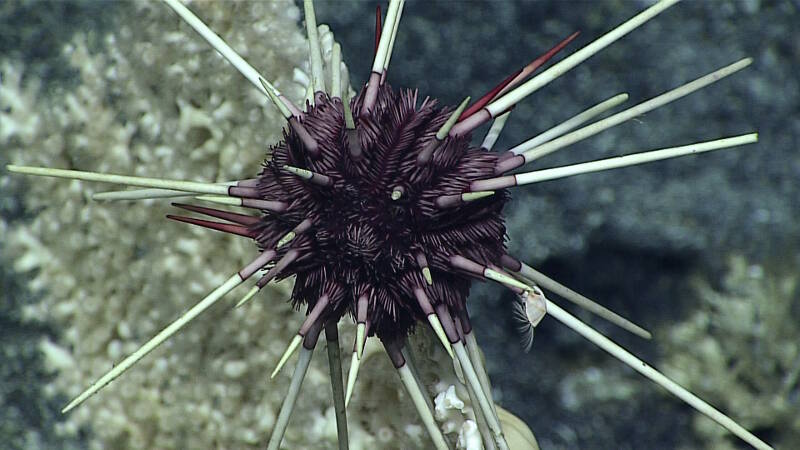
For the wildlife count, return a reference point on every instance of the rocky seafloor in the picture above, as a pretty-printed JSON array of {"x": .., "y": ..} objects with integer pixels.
[{"x": 703, "y": 250}]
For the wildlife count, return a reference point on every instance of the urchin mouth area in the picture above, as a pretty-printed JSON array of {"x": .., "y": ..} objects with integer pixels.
[{"x": 364, "y": 239}]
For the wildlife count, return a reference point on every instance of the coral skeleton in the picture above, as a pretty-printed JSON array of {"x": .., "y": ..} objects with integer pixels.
[
  {"x": 747, "y": 311},
  {"x": 383, "y": 213}
]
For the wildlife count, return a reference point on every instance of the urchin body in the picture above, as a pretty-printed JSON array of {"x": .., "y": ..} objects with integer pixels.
[{"x": 362, "y": 241}]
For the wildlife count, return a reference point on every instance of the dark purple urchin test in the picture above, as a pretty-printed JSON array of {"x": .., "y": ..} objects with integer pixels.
[{"x": 378, "y": 216}]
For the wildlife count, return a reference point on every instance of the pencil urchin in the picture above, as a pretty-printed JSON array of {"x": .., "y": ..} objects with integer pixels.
[
  {"x": 369, "y": 218},
  {"x": 382, "y": 211}
]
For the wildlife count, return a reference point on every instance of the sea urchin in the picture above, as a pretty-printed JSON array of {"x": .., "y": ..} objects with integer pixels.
[
  {"x": 362, "y": 238},
  {"x": 382, "y": 210}
]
